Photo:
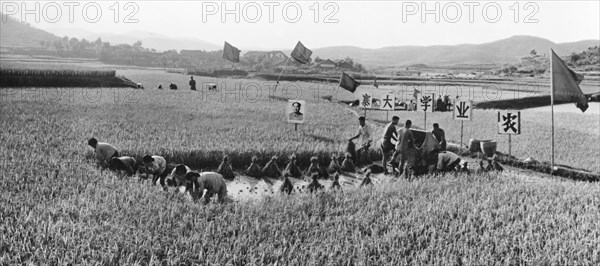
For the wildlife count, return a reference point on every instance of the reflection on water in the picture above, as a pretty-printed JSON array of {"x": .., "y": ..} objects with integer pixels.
[{"x": 568, "y": 108}]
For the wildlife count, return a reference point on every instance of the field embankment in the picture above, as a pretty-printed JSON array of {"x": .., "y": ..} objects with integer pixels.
[
  {"x": 18, "y": 75},
  {"x": 527, "y": 102}
]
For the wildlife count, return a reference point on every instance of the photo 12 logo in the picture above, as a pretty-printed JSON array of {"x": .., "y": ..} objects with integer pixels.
[
  {"x": 271, "y": 12},
  {"x": 472, "y": 12},
  {"x": 54, "y": 12}
]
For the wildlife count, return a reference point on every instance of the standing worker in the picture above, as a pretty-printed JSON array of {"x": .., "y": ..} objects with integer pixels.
[
  {"x": 440, "y": 135},
  {"x": 406, "y": 150},
  {"x": 192, "y": 83},
  {"x": 364, "y": 139},
  {"x": 386, "y": 145}
]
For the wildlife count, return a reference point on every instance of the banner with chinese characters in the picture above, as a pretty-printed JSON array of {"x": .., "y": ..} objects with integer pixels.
[
  {"x": 463, "y": 110},
  {"x": 509, "y": 122}
]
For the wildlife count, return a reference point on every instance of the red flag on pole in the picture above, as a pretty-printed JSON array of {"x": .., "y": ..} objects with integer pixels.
[
  {"x": 416, "y": 93},
  {"x": 301, "y": 53},
  {"x": 231, "y": 53},
  {"x": 565, "y": 84},
  {"x": 348, "y": 83}
]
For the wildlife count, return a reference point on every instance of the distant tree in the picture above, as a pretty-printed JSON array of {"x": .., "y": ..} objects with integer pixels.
[
  {"x": 359, "y": 67},
  {"x": 349, "y": 60},
  {"x": 318, "y": 60},
  {"x": 137, "y": 46},
  {"x": 533, "y": 52},
  {"x": 574, "y": 58}
]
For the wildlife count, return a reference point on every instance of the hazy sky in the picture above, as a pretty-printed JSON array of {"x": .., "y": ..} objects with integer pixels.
[{"x": 368, "y": 24}]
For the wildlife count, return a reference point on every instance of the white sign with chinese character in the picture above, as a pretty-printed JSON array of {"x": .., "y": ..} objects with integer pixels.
[
  {"x": 509, "y": 122},
  {"x": 295, "y": 111},
  {"x": 463, "y": 110},
  {"x": 366, "y": 100},
  {"x": 426, "y": 102},
  {"x": 387, "y": 101}
]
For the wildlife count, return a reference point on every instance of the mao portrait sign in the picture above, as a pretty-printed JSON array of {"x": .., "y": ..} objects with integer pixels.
[
  {"x": 509, "y": 122},
  {"x": 366, "y": 100},
  {"x": 387, "y": 102},
  {"x": 296, "y": 111},
  {"x": 463, "y": 110}
]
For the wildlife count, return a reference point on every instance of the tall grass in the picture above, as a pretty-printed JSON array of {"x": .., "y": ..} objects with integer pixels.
[
  {"x": 56, "y": 207},
  {"x": 83, "y": 216}
]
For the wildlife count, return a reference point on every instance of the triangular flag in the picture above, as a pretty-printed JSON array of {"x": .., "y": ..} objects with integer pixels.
[
  {"x": 231, "y": 53},
  {"x": 301, "y": 53},
  {"x": 565, "y": 84},
  {"x": 348, "y": 82},
  {"x": 416, "y": 93},
  {"x": 375, "y": 83}
]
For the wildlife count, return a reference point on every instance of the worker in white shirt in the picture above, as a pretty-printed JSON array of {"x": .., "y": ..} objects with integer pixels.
[
  {"x": 364, "y": 141},
  {"x": 214, "y": 183},
  {"x": 104, "y": 151},
  {"x": 154, "y": 165}
]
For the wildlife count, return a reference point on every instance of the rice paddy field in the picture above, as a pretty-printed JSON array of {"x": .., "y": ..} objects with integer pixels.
[{"x": 57, "y": 207}]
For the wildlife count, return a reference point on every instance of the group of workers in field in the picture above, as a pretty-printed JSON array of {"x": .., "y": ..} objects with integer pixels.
[
  {"x": 404, "y": 156},
  {"x": 156, "y": 167}
]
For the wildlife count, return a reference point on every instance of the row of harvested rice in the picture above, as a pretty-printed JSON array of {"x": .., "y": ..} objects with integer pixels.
[{"x": 57, "y": 72}]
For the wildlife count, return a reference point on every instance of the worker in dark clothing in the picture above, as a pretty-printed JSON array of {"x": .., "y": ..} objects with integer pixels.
[
  {"x": 387, "y": 147},
  {"x": 192, "y": 84},
  {"x": 440, "y": 135}
]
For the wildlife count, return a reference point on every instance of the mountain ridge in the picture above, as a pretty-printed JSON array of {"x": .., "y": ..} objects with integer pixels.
[{"x": 499, "y": 52}]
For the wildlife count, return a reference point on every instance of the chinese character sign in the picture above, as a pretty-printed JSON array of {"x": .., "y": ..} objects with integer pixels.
[
  {"x": 426, "y": 102},
  {"x": 387, "y": 102},
  {"x": 463, "y": 110},
  {"x": 295, "y": 111},
  {"x": 509, "y": 122},
  {"x": 366, "y": 100}
]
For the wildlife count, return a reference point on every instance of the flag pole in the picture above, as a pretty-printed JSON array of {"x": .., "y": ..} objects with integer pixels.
[
  {"x": 552, "y": 108},
  {"x": 282, "y": 69}
]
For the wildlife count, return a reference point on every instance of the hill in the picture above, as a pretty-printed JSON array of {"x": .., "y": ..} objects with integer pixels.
[
  {"x": 19, "y": 34},
  {"x": 509, "y": 50},
  {"x": 150, "y": 40},
  {"x": 499, "y": 52}
]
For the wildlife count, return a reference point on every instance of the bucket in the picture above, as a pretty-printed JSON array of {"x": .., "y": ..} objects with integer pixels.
[
  {"x": 488, "y": 147},
  {"x": 474, "y": 145}
]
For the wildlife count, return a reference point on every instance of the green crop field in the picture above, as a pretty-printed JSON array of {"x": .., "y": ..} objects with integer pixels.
[{"x": 56, "y": 207}]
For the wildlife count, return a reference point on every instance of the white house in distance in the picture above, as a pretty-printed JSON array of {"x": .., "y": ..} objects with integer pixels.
[{"x": 325, "y": 65}]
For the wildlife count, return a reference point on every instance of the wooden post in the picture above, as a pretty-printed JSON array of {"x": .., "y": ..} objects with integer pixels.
[
  {"x": 509, "y": 151},
  {"x": 387, "y": 117},
  {"x": 461, "y": 132},
  {"x": 425, "y": 120},
  {"x": 552, "y": 110},
  {"x": 282, "y": 69},
  {"x": 295, "y": 126}
]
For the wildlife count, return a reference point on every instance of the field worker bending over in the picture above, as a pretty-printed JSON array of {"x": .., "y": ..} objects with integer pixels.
[
  {"x": 104, "y": 151},
  {"x": 364, "y": 138},
  {"x": 387, "y": 146},
  {"x": 405, "y": 150},
  {"x": 214, "y": 183},
  {"x": 177, "y": 176},
  {"x": 440, "y": 135},
  {"x": 448, "y": 161},
  {"x": 155, "y": 166},
  {"x": 124, "y": 163}
]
